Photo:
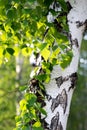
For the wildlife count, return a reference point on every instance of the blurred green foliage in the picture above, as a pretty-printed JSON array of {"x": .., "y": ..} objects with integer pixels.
[
  {"x": 78, "y": 113},
  {"x": 9, "y": 94}
]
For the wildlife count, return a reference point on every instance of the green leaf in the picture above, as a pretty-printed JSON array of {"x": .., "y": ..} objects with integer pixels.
[
  {"x": 47, "y": 66},
  {"x": 66, "y": 59},
  {"x": 55, "y": 47},
  {"x": 42, "y": 46},
  {"x": 63, "y": 5},
  {"x": 16, "y": 25},
  {"x": 31, "y": 99},
  {"x": 48, "y": 2},
  {"x": 10, "y": 50},
  {"x": 17, "y": 118},
  {"x": 64, "y": 64},
  {"x": 41, "y": 86},
  {"x": 37, "y": 128},
  {"x": 45, "y": 54},
  {"x": 26, "y": 128},
  {"x": 12, "y": 13},
  {"x": 22, "y": 88},
  {"x": 37, "y": 124},
  {"x": 43, "y": 111},
  {"x": 23, "y": 103},
  {"x": 38, "y": 107},
  {"x": 41, "y": 77}
]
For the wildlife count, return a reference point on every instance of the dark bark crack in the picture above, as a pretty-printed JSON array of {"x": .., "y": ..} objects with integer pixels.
[
  {"x": 73, "y": 78},
  {"x": 68, "y": 6},
  {"x": 73, "y": 41},
  {"x": 59, "y": 81},
  {"x": 79, "y": 24},
  {"x": 55, "y": 124},
  {"x": 61, "y": 100}
]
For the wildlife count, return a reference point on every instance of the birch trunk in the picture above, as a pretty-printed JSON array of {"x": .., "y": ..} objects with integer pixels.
[
  {"x": 60, "y": 89},
  {"x": 19, "y": 65}
]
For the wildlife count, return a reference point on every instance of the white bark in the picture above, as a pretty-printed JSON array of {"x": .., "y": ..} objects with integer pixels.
[
  {"x": 19, "y": 64},
  {"x": 57, "y": 113}
]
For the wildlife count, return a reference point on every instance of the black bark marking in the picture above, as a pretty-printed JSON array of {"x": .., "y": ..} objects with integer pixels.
[
  {"x": 79, "y": 24},
  {"x": 55, "y": 103},
  {"x": 85, "y": 24},
  {"x": 33, "y": 85},
  {"x": 56, "y": 5},
  {"x": 73, "y": 41},
  {"x": 45, "y": 33},
  {"x": 73, "y": 78},
  {"x": 45, "y": 125},
  {"x": 55, "y": 124},
  {"x": 68, "y": 6},
  {"x": 34, "y": 82},
  {"x": 58, "y": 25},
  {"x": 61, "y": 99},
  {"x": 48, "y": 97},
  {"x": 59, "y": 81},
  {"x": 60, "y": 127},
  {"x": 35, "y": 61}
]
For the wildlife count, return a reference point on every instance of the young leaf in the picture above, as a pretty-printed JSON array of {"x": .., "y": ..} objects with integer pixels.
[
  {"x": 37, "y": 124},
  {"x": 31, "y": 98},
  {"x": 45, "y": 54},
  {"x": 42, "y": 46}
]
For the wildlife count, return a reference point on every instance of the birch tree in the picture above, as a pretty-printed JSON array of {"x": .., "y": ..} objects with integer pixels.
[
  {"x": 51, "y": 30},
  {"x": 62, "y": 84}
]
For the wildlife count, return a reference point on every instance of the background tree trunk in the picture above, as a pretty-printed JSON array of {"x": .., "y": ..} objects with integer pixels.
[
  {"x": 19, "y": 65},
  {"x": 61, "y": 86}
]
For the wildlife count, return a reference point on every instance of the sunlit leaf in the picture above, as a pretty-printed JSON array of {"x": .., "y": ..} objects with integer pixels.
[
  {"x": 42, "y": 46},
  {"x": 3, "y": 36},
  {"x": 26, "y": 51},
  {"x": 45, "y": 53},
  {"x": 31, "y": 98},
  {"x": 17, "y": 50},
  {"x": 23, "y": 103},
  {"x": 37, "y": 124}
]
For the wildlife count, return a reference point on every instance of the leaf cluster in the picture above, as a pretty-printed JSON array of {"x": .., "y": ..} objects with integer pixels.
[
  {"x": 24, "y": 29},
  {"x": 29, "y": 117}
]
